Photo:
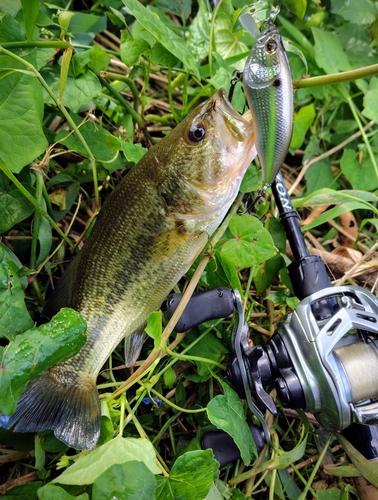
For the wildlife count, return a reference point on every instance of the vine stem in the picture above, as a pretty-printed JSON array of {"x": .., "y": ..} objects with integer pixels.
[
  {"x": 65, "y": 113},
  {"x": 344, "y": 76},
  {"x": 194, "y": 358},
  {"x": 173, "y": 405},
  {"x": 122, "y": 78}
]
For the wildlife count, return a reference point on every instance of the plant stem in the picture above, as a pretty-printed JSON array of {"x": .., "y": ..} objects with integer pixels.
[
  {"x": 135, "y": 115},
  {"x": 54, "y": 44},
  {"x": 345, "y": 76},
  {"x": 184, "y": 410},
  {"x": 37, "y": 218},
  {"x": 159, "y": 461},
  {"x": 212, "y": 37},
  {"x": 34, "y": 202},
  {"x": 194, "y": 358},
  {"x": 352, "y": 106},
  {"x": 316, "y": 468},
  {"x": 125, "y": 79}
]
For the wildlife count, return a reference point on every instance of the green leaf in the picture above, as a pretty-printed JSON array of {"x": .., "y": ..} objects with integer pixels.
[
  {"x": 164, "y": 35},
  {"x": 297, "y": 7},
  {"x": 127, "y": 481},
  {"x": 227, "y": 42},
  {"x": 367, "y": 468},
  {"x": 8, "y": 400},
  {"x": 333, "y": 213},
  {"x": 14, "y": 208},
  {"x": 191, "y": 477},
  {"x": 199, "y": 32},
  {"x": 133, "y": 152},
  {"x": 266, "y": 273},
  {"x": 209, "y": 347},
  {"x": 44, "y": 238},
  {"x": 154, "y": 327},
  {"x": 331, "y": 197},
  {"x": 355, "y": 11},
  {"x": 252, "y": 244},
  {"x": 51, "y": 491},
  {"x": 78, "y": 91},
  {"x": 221, "y": 272},
  {"x": 97, "y": 139},
  {"x": 10, "y": 6},
  {"x": 251, "y": 180},
  {"x": 361, "y": 175},
  {"x": 330, "y": 494},
  {"x": 132, "y": 49},
  {"x": 10, "y": 30},
  {"x": 371, "y": 100},
  {"x": 83, "y": 22},
  {"x": 14, "y": 317},
  {"x": 118, "y": 451},
  {"x": 39, "y": 348},
  {"x": 100, "y": 60},
  {"x": 30, "y": 9},
  {"x": 329, "y": 54},
  {"x": 302, "y": 122},
  {"x": 181, "y": 8},
  {"x": 169, "y": 377},
  {"x": 23, "y": 492},
  {"x": 319, "y": 176},
  {"x": 159, "y": 55},
  {"x": 21, "y": 112},
  {"x": 226, "y": 412}
]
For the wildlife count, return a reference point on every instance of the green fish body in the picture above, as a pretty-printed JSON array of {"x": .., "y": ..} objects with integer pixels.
[
  {"x": 269, "y": 89},
  {"x": 148, "y": 233}
]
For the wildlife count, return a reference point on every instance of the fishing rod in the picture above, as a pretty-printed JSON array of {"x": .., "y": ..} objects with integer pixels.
[{"x": 316, "y": 359}]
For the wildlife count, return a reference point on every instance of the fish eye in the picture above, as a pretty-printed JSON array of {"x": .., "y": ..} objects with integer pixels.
[
  {"x": 271, "y": 46},
  {"x": 197, "y": 132}
]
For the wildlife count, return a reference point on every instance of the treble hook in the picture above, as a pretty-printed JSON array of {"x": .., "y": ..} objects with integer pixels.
[
  {"x": 274, "y": 11},
  {"x": 236, "y": 77}
]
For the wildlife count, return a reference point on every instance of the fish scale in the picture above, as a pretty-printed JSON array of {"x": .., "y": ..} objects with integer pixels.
[{"x": 148, "y": 233}]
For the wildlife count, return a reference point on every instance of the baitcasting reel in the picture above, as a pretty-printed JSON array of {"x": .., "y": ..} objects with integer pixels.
[{"x": 322, "y": 359}]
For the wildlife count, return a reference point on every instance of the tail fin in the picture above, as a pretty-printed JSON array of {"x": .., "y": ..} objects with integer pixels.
[{"x": 71, "y": 410}]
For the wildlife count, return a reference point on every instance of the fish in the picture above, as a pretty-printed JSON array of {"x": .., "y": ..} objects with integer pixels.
[
  {"x": 148, "y": 233},
  {"x": 268, "y": 86}
]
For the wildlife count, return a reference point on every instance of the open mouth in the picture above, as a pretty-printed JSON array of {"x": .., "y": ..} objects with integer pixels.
[{"x": 234, "y": 122}]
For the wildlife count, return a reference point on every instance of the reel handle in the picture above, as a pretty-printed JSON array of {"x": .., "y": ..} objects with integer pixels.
[{"x": 215, "y": 303}]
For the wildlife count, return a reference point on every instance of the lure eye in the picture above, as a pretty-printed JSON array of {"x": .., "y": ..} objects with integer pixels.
[
  {"x": 197, "y": 132},
  {"x": 271, "y": 46}
]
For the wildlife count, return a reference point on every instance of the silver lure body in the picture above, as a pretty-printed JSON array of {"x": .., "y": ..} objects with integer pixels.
[{"x": 268, "y": 85}]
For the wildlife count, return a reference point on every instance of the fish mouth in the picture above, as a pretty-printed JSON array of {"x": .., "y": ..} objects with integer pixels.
[{"x": 240, "y": 129}]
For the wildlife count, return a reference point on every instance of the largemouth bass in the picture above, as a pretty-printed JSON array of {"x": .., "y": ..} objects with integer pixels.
[
  {"x": 148, "y": 233},
  {"x": 269, "y": 89}
]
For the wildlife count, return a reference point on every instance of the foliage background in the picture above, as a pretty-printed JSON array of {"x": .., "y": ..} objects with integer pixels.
[{"x": 85, "y": 88}]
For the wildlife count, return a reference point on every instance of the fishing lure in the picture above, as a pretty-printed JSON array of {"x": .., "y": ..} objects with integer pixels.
[{"x": 269, "y": 89}]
